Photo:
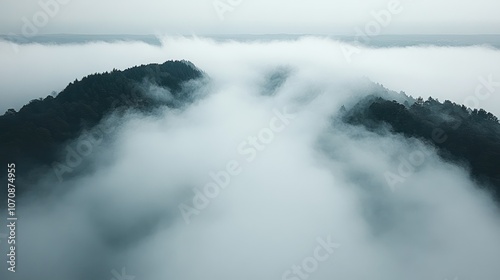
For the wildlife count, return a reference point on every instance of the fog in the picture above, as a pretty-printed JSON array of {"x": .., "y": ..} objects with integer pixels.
[
  {"x": 289, "y": 177},
  {"x": 452, "y": 73}
]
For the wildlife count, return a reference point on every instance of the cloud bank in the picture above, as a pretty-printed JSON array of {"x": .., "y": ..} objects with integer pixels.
[
  {"x": 300, "y": 182},
  {"x": 452, "y": 73}
]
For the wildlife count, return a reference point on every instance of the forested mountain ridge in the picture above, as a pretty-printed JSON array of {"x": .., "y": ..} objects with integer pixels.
[
  {"x": 462, "y": 135},
  {"x": 32, "y": 136}
]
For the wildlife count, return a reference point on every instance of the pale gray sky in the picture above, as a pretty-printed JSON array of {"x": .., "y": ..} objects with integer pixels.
[{"x": 247, "y": 16}]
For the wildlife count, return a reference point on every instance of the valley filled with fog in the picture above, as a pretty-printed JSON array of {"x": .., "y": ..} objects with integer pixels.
[{"x": 259, "y": 171}]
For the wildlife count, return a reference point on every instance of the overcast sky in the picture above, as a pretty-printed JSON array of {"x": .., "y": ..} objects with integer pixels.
[{"x": 249, "y": 17}]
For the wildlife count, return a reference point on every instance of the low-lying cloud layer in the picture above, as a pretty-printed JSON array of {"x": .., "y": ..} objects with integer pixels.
[
  {"x": 441, "y": 72},
  {"x": 274, "y": 187}
]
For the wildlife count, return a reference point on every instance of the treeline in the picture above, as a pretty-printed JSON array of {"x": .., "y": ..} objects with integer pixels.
[
  {"x": 460, "y": 133},
  {"x": 32, "y": 136}
]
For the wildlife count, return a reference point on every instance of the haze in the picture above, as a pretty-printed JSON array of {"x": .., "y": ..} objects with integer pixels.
[{"x": 253, "y": 17}]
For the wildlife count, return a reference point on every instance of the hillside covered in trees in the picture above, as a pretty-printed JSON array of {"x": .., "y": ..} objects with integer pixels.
[
  {"x": 463, "y": 136},
  {"x": 35, "y": 136},
  {"x": 32, "y": 136}
]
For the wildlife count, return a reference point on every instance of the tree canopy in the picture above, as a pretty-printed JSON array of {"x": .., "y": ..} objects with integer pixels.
[
  {"x": 461, "y": 134},
  {"x": 32, "y": 136}
]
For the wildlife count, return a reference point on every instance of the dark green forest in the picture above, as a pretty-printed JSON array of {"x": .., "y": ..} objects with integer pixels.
[
  {"x": 461, "y": 135},
  {"x": 33, "y": 136}
]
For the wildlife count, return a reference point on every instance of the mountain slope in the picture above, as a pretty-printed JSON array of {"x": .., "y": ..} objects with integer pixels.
[
  {"x": 32, "y": 136},
  {"x": 461, "y": 135}
]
